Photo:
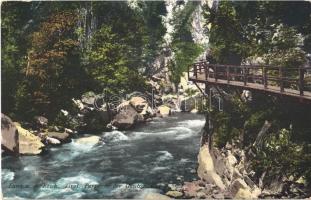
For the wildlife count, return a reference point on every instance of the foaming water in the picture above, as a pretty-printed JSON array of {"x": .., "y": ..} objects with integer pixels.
[
  {"x": 192, "y": 123},
  {"x": 127, "y": 164},
  {"x": 165, "y": 155},
  {"x": 7, "y": 175},
  {"x": 114, "y": 136}
]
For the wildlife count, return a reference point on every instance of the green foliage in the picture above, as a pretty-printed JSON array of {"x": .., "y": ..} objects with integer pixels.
[
  {"x": 286, "y": 149},
  {"x": 239, "y": 30},
  {"x": 13, "y": 51},
  {"x": 228, "y": 125},
  {"x": 184, "y": 49},
  {"x": 284, "y": 48},
  {"x": 152, "y": 12},
  {"x": 185, "y": 55},
  {"x": 227, "y": 40},
  {"x": 281, "y": 155},
  {"x": 54, "y": 51},
  {"x": 190, "y": 92}
]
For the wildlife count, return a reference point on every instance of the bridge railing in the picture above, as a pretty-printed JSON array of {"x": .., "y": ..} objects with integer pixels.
[{"x": 285, "y": 78}]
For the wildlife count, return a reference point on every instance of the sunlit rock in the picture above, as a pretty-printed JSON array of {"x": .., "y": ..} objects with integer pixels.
[
  {"x": 28, "y": 143},
  {"x": 206, "y": 170},
  {"x": 174, "y": 194},
  {"x": 164, "y": 110},
  {"x": 61, "y": 136},
  {"x": 51, "y": 140},
  {"x": 126, "y": 118},
  {"x": 92, "y": 140}
]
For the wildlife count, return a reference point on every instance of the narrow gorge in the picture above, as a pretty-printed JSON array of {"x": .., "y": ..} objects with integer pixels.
[{"x": 155, "y": 99}]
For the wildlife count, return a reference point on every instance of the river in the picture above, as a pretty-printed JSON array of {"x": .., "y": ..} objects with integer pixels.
[{"x": 124, "y": 165}]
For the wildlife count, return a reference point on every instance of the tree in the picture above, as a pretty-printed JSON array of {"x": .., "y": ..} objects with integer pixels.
[
  {"x": 53, "y": 71},
  {"x": 14, "y": 45},
  {"x": 109, "y": 63}
]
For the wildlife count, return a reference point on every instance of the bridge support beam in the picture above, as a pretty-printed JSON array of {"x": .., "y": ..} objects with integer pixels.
[{"x": 207, "y": 132}]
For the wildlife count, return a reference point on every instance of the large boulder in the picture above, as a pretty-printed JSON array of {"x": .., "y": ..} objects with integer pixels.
[
  {"x": 126, "y": 117},
  {"x": 206, "y": 169},
  {"x": 9, "y": 134},
  {"x": 141, "y": 106},
  {"x": 29, "y": 144},
  {"x": 138, "y": 103},
  {"x": 61, "y": 136}
]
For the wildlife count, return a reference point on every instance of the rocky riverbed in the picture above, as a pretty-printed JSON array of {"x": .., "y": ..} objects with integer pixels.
[{"x": 153, "y": 158}]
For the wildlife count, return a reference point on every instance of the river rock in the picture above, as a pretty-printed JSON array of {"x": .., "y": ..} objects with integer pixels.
[
  {"x": 92, "y": 140},
  {"x": 156, "y": 196},
  {"x": 175, "y": 187},
  {"x": 61, "y": 136},
  {"x": 194, "y": 111},
  {"x": 41, "y": 121},
  {"x": 51, "y": 140},
  {"x": 201, "y": 195},
  {"x": 243, "y": 194},
  {"x": 9, "y": 134},
  {"x": 29, "y": 144},
  {"x": 206, "y": 170},
  {"x": 191, "y": 189},
  {"x": 174, "y": 194},
  {"x": 239, "y": 185},
  {"x": 141, "y": 106},
  {"x": 88, "y": 98},
  {"x": 138, "y": 103},
  {"x": 164, "y": 110},
  {"x": 126, "y": 117}
]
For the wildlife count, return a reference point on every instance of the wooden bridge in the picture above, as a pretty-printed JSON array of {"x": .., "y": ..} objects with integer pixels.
[{"x": 294, "y": 82}]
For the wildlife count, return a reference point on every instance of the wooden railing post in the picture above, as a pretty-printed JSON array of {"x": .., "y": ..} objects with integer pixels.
[
  {"x": 301, "y": 81},
  {"x": 264, "y": 77},
  {"x": 188, "y": 72},
  {"x": 215, "y": 72},
  {"x": 244, "y": 75},
  {"x": 228, "y": 74},
  {"x": 281, "y": 79},
  {"x": 195, "y": 73}
]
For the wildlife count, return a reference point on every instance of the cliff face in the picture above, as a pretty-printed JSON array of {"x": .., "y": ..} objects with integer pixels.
[
  {"x": 199, "y": 33},
  {"x": 225, "y": 169},
  {"x": 180, "y": 15}
]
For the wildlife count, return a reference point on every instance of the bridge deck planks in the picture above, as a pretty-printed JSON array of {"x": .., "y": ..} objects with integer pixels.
[{"x": 273, "y": 89}]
